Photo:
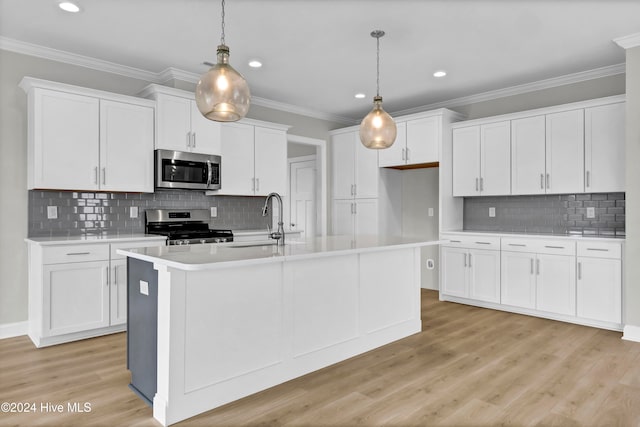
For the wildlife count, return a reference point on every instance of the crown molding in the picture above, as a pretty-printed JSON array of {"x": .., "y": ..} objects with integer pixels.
[
  {"x": 627, "y": 42},
  {"x": 177, "y": 74},
  {"x": 25, "y": 48},
  {"x": 303, "y": 111},
  {"x": 582, "y": 76}
]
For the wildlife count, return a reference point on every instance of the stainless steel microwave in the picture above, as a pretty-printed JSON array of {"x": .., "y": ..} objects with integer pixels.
[{"x": 189, "y": 171}]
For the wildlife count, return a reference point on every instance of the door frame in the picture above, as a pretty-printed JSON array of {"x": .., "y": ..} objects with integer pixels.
[{"x": 321, "y": 180}]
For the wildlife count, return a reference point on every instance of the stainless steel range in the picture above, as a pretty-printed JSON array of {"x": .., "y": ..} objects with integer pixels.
[{"x": 184, "y": 226}]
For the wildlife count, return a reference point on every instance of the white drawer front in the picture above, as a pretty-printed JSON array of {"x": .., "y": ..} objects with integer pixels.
[
  {"x": 134, "y": 244},
  {"x": 472, "y": 242},
  {"x": 600, "y": 249},
  {"x": 554, "y": 247},
  {"x": 75, "y": 253}
]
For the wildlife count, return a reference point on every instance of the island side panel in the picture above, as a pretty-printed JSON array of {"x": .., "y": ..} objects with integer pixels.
[{"x": 142, "y": 319}]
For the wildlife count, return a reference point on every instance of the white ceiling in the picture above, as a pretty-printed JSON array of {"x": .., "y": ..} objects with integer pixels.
[{"x": 318, "y": 53}]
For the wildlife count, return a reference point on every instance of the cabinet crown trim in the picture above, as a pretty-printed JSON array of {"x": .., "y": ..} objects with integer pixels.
[
  {"x": 542, "y": 111},
  {"x": 28, "y": 83}
]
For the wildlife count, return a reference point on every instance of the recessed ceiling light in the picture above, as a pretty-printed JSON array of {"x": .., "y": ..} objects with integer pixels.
[
  {"x": 67, "y": 6},
  {"x": 440, "y": 73},
  {"x": 360, "y": 95},
  {"x": 254, "y": 63}
]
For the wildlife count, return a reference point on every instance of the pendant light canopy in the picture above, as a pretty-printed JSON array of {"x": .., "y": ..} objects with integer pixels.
[
  {"x": 222, "y": 94},
  {"x": 378, "y": 129}
]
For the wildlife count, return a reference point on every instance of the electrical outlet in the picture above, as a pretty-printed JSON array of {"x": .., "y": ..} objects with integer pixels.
[
  {"x": 430, "y": 212},
  {"x": 430, "y": 264},
  {"x": 591, "y": 212},
  {"x": 492, "y": 212},
  {"x": 133, "y": 212},
  {"x": 144, "y": 287},
  {"x": 52, "y": 212},
  {"x": 214, "y": 211}
]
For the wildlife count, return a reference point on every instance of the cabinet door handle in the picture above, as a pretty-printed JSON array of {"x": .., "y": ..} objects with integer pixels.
[
  {"x": 455, "y": 241},
  {"x": 104, "y": 176},
  {"x": 108, "y": 277},
  {"x": 548, "y": 181},
  {"x": 193, "y": 144},
  {"x": 588, "y": 179},
  {"x": 517, "y": 244},
  {"x": 408, "y": 154},
  {"x": 531, "y": 265},
  {"x": 469, "y": 260},
  {"x": 538, "y": 267},
  {"x": 188, "y": 139},
  {"x": 355, "y": 189},
  {"x": 476, "y": 184},
  {"x": 465, "y": 260},
  {"x": 483, "y": 243},
  {"x": 78, "y": 253},
  {"x": 355, "y": 208},
  {"x": 542, "y": 181},
  {"x": 598, "y": 249},
  {"x": 554, "y": 247},
  {"x": 115, "y": 275},
  {"x": 257, "y": 184},
  {"x": 95, "y": 175},
  {"x": 579, "y": 271},
  {"x": 481, "y": 184},
  {"x": 404, "y": 157}
]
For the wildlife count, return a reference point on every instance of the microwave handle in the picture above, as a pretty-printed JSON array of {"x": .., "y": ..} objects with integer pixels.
[{"x": 209, "y": 173}]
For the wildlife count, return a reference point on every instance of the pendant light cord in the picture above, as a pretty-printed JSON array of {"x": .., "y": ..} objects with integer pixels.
[
  {"x": 377, "y": 66},
  {"x": 222, "y": 41}
]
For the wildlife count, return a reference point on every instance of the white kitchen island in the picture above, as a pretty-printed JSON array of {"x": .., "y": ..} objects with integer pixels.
[{"x": 232, "y": 321}]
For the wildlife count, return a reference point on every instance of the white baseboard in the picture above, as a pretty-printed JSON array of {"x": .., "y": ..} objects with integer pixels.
[
  {"x": 10, "y": 330},
  {"x": 631, "y": 333}
]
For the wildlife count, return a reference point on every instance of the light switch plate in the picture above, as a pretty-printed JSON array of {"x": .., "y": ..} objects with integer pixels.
[
  {"x": 52, "y": 212},
  {"x": 492, "y": 212},
  {"x": 144, "y": 287},
  {"x": 214, "y": 211},
  {"x": 591, "y": 212},
  {"x": 430, "y": 211},
  {"x": 133, "y": 212}
]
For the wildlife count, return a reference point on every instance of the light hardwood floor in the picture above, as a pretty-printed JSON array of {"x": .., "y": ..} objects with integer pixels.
[{"x": 469, "y": 366}]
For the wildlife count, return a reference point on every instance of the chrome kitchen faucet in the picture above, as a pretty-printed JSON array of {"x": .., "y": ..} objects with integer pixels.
[{"x": 278, "y": 235}]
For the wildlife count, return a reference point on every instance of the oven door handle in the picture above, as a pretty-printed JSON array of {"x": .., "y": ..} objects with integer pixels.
[{"x": 209, "y": 173}]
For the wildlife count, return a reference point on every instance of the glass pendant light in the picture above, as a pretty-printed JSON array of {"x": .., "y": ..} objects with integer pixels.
[
  {"x": 378, "y": 129},
  {"x": 222, "y": 94}
]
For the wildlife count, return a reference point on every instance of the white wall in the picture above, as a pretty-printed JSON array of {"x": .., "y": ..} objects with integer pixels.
[{"x": 632, "y": 212}]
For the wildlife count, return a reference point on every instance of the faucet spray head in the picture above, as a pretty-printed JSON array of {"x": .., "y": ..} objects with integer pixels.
[{"x": 265, "y": 208}]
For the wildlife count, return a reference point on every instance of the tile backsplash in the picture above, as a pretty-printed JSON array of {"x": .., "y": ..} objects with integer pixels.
[
  {"x": 106, "y": 213},
  {"x": 556, "y": 214}
]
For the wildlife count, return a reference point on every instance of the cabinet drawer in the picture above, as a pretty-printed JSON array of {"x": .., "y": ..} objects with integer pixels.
[
  {"x": 471, "y": 242},
  {"x": 134, "y": 244},
  {"x": 600, "y": 249},
  {"x": 553, "y": 247},
  {"x": 75, "y": 253}
]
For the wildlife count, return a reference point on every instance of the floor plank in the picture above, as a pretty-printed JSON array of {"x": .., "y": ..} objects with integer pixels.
[{"x": 468, "y": 367}]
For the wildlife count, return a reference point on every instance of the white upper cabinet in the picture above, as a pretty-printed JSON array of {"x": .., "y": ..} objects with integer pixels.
[
  {"x": 126, "y": 147},
  {"x": 604, "y": 148},
  {"x": 355, "y": 167},
  {"x": 83, "y": 139},
  {"x": 466, "y": 161},
  {"x": 528, "y": 155},
  {"x": 254, "y": 160},
  {"x": 565, "y": 152},
  {"x": 180, "y": 125},
  {"x": 417, "y": 142},
  {"x": 481, "y": 160},
  {"x": 64, "y": 132}
]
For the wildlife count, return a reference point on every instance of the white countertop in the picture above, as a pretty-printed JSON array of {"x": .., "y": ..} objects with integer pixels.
[
  {"x": 575, "y": 237},
  {"x": 84, "y": 238},
  {"x": 209, "y": 256}
]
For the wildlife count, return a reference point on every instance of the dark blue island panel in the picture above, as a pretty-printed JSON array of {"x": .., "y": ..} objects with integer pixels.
[{"x": 142, "y": 327}]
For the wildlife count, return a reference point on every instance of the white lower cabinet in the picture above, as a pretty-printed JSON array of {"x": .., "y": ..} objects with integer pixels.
[
  {"x": 470, "y": 272},
  {"x": 79, "y": 290},
  {"x": 599, "y": 289},
  {"x": 561, "y": 279},
  {"x": 76, "y": 297}
]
